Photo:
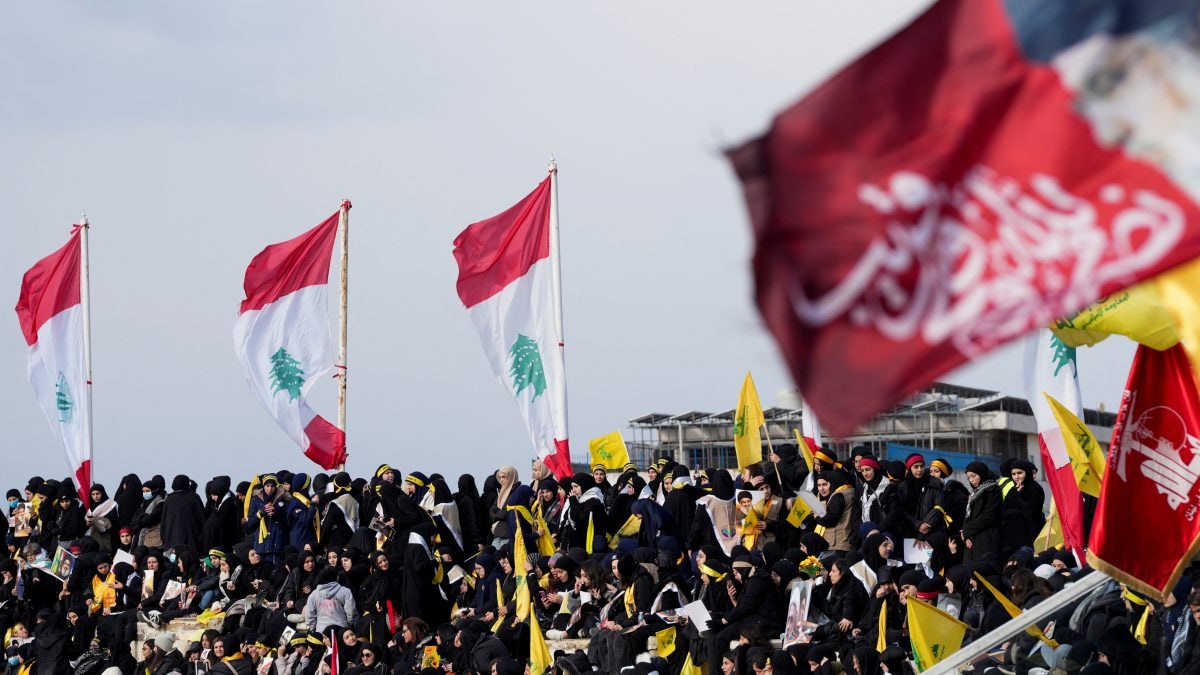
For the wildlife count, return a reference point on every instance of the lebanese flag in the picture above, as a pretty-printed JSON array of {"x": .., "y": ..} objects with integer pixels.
[
  {"x": 282, "y": 337},
  {"x": 51, "y": 318},
  {"x": 1146, "y": 530},
  {"x": 1051, "y": 368},
  {"x": 506, "y": 282},
  {"x": 972, "y": 178}
]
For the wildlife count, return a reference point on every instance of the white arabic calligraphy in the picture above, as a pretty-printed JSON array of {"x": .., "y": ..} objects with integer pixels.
[
  {"x": 1161, "y": 437},
  {"x": 933, "y": 274}
]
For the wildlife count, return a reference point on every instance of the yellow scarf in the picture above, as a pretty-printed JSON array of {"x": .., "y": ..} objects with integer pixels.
[
  {"x": 316, "y": 516},
  {"x": 629, "y": 602}
]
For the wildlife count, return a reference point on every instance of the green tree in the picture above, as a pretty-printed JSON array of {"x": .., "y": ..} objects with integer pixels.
[
  {"x": 286, "y": 374},
  {"x": 62, "y": 399},
  {"x": 526, "y": 369}
]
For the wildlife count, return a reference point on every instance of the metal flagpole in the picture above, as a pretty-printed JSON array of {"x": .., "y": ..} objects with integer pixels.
[
  {"x": 344, "y": 230},
  {"x": 556, "y": 273},
  {"x": 85, "y": 302}
]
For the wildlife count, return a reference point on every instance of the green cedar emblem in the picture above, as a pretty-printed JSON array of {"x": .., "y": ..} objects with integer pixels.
[
  {"x": 286, "y": 374},
  {"x": 739, "y": 425},
  {"x": 526, "y": 369},
  {"x": 62, "y": 399},
  {"x": 1063, "y": 354}
]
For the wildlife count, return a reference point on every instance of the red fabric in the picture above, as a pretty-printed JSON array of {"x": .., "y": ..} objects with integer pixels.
[
  {"x": 286, "y": 267},
  {"x": 83, "y": 479},
  {"x": 560, "y": 462},
  {"x": 326, "y": 443},
  {"x": 891, "y": 213},
  {"x": 495, "y": 252},
  {"x": 1146, "y": 530},
  {"x": 1067, "y": 499},
  {"x": 48, "y": 288}
]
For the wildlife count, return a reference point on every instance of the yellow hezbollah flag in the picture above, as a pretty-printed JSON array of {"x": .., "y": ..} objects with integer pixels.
[
  {"x": 545, "y": 542},
  {"x": 520, "y": 558},
  {"x": 540, "y": 662},
  {"x": 934, "y": 633},
  {"x": 1138, "y": 312},
  {"x": 1179, "y": 292},
  {"x": 1013, "y": 611},
  {"x": 1087, "y": 460},
  {"x": 747, "y": 420},
  {"x": 881, "y": 642},
  {"x": 805, "y": 451},
  {"x": 609, "y": 451},
  {"x": 690, "y": 668},
  {"x": 799, "y": 511},
  {"x": 1051, "y": 535},
  {"x": 666, "y": 641}
]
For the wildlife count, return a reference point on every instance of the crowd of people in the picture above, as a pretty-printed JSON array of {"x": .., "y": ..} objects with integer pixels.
[{"x": 399, "y": 573}]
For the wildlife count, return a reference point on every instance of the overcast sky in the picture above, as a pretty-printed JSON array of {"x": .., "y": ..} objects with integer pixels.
[{"x": 194, "y": 134}]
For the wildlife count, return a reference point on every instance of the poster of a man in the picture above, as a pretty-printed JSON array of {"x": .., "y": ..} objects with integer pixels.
[{"x": 62, "y": 564}]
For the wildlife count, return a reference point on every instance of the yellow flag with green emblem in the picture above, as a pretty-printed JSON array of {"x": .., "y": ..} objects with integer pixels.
[
  {"x": 520, "y": 557},
  {"x": 1138, "y": 312},
  {"x": 1051, "y": 535},
  {"x": 666, "y": 641},
  {"x": 799, "y": 511},
  {"x": 1087, "y": 459},
  {"x": 747, "y": 422},
  {"x": 934, "y": 633},
  {"x": 609, "y": 451},
  {"x": 540, "y": 662}
]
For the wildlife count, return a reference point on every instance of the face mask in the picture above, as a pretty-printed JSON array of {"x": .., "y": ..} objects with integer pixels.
[
  {"x": 13, "y": 504},
  {"x": 171, "y": 557},
  {"x": 14, "y": 661},
  {"x": 147, "y": 496}
]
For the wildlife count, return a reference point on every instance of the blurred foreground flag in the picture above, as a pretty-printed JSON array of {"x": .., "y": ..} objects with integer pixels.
[
  {"x": 506, "y": 282},
  {"x": 282, "y": 337},
  {"x": 991, "y": 167},
  {"x": 1146, "y": 530}
]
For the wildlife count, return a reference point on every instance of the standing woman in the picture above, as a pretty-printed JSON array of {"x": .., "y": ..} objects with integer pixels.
[
  {"x": 983, "y": 519},
  {"x": 102, "y": 518},
  {"x": 843, "y": 513},
  {"x": 1024, "y": 475}
]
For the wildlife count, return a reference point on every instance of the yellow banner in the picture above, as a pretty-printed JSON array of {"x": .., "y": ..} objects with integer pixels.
[
  {"x": 881, "y": 641},
  {"x": 805, "y": 451},
  {"x": 799, "y": 511},
  {"x": 666, "y": 641},
  {"x": 1180, "y": 293},
  {"x": 1087, "y": 459},
  {"x": 609, "y": 451},
  {"x": 934, "y": 633},
  {"x": 1013, "y": 611},
  {"x": 1138, "y": 312},
  {"x": 747, "y": 424},
  {"x": 540, "y": 662}
]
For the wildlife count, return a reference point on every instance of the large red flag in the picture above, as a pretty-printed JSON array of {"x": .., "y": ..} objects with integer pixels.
[
  {"x": 1146, "y": 530},
  {"x": 961, "y": 184}
]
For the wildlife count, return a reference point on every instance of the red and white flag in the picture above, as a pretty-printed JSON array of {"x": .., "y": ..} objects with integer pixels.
[
  {"x": 1051, "y": 368},
  {"x": 988, "y": 169},
  {"x": 51, "y": 318},
  {"x": 1145, "y": 529},
  {"x": 506, "y": 282},
  {"x": 282, "y": 337}
]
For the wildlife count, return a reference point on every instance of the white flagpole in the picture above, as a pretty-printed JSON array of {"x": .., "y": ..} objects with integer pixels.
[
  {"x": 556, "y": 272},
  {"x": 85, "y": 301},
  {"x": 344, "y": 229}
]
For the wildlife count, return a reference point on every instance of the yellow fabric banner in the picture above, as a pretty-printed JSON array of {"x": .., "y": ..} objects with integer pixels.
[
  {"x": 666, "y": 641},
  {"x": 881, "y": 641},
  {"x": 1180, "y": 293},
  {"x": 1138, "y": 312},
  {"x": 609, "y": 451},
  {"x": 1013, "y": 610},
  {"x": 747, "y": 424},
  {"x": 1087, "y": 459},
  {"x": 934, "y": 633},
  {"x": 799, "y": 511},
  {"x": 805, "y": 451}
]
